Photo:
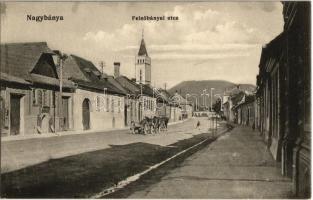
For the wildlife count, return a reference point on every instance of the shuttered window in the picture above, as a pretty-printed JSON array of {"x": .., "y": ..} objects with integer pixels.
[
  {"x": 112, "y": 105},
  {"x": 39, "y": 97},
  {"x": 46, "y": 98}
]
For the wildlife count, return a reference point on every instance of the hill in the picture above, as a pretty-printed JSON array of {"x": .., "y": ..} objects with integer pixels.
[{"x": 196, "y": 88}]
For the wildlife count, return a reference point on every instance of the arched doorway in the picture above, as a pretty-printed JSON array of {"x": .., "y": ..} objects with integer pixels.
[{"x": 86, "y": 114}]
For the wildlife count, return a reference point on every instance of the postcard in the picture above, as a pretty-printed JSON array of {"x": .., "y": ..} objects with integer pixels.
[{"x": 155, "y": 99}]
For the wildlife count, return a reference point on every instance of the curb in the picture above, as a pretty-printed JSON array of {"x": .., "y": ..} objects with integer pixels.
[{"x": 67, "y": 133}]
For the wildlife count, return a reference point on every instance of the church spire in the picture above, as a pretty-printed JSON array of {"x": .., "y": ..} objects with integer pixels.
[{"x": 142, "y": 50}]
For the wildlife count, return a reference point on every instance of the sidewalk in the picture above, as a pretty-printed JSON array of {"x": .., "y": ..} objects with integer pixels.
[
  {"x": 17, "y": 154},
  {"x": 70, "y": 132},
  {"x": 237, "y": 165}
]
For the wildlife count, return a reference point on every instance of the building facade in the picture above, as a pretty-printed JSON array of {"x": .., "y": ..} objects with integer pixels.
[
  {"x": 97, "y": 104},
  {"x": 245, "y": 110},
  {"x": 283, "y": 96},
  {"x": 32, "y": 102}
]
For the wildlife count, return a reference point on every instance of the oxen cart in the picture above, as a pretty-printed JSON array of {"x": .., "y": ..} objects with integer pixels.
[{"x": 150, "y": 125}]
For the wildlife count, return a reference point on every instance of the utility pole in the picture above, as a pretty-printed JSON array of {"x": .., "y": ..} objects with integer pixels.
[
  {"x": 211, "y": 97},
  {"x": 142, "y": 102},
  {"x": 61, "y": 58}
]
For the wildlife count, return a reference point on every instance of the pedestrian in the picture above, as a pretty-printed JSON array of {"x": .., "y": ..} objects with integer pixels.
[{"x": 198, "y": 125}]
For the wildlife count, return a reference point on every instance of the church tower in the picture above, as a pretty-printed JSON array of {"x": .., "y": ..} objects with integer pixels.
[{"x": 143, "y": 64}]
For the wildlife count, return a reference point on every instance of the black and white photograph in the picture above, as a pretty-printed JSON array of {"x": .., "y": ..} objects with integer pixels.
[{"x": 155, "y": 99}]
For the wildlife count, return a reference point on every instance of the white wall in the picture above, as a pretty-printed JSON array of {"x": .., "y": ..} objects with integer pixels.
[{"x": 100, "y": 117}]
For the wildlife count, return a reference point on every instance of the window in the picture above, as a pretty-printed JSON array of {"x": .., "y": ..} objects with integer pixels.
[
  {"x": 119, "y": 105},
  {"x": 112, "y": 104},
  {"x": 39, "y": 98},
  {"x": 46, "y": 98},
  {"x": 98, "y": 102},
  {"x": 107, "y": 104},
  {"x": 34, "y": 99},
  {"x": 140, "y": 76},
  {"x": 149, "y": 104},
  {"x": 144, "y": 103}
]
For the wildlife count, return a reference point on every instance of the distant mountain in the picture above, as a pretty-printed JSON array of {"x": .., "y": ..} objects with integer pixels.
[{"x": 196, "y": 88}]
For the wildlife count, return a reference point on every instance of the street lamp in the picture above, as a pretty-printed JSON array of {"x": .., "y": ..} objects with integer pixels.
[
  {"x": 211, "y": 97},
  {"x": 204, "y": 91}
]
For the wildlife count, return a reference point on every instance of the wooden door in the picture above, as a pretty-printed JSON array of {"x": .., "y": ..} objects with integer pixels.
[
  {"x": 86, "y": 114},
  {"x": 65, "y": 102},
  {"x": 15, "y": 118}
]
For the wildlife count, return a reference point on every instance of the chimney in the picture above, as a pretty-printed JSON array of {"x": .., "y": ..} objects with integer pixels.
[{"x": 117, "y": 69}]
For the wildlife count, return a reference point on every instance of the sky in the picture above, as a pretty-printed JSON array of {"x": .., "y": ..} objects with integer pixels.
[{"x": 210, "y": 41}]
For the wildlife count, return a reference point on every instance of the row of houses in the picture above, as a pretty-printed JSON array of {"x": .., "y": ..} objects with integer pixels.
[
  {"x": 280, "y": 108},
  {"x": 239, "y": 106},
  {"x": 44, "y": 91}
]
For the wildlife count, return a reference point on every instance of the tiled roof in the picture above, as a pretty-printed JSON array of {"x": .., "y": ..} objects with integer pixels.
[
  {"x": 274, "y": 49},
  {"x": 36, "y": 78},
  {"x": 132, "y": 87},
  {"x": 18, "y": 59},
  {"x": 12, "y": 79},
  {"x": 116, "y": 84},
  {"x": 237, "y": 98},
  {"x": 84, "y": 73},
  {"x": 71, "y": 70},
  {"x": 20, "y": 63},
  {"x": 245, "y": 100},
  {"x": 162, "y": 96},
  {"x": 135, "y": 88},
  {"x": 147, "y": 90},
  {"x": 179, "y": 99}
]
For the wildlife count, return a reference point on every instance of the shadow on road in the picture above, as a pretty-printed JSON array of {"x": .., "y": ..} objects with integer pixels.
[{"x": 88, "y": 173}]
